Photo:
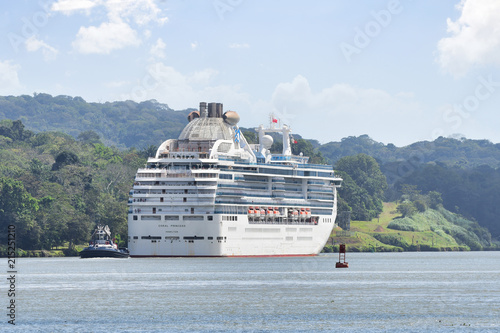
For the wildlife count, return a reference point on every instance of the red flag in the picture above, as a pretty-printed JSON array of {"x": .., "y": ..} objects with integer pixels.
[
  {"x": 294, "y": 141},
  {"x": 275, "y": 120}
]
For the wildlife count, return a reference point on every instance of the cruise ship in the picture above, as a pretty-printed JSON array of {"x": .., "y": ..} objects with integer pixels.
[{"x": 211, "y": 193}]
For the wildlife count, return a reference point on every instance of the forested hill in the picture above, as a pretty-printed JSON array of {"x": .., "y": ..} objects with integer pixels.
[
  {"x": 120, "y": 124},
  {"x": 461, "y": 152},
  {"x": 465, "y": 172},
  {"x": 129, "y": 124}
]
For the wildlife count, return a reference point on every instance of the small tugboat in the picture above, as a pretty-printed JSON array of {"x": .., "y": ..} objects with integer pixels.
[{"x": 101, "y": 246}]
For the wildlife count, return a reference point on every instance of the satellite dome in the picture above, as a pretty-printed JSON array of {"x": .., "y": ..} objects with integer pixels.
[{"x": 267, "y": 141}]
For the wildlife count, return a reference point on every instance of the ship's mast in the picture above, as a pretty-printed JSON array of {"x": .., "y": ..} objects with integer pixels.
[{"x": 274, "y": 126}]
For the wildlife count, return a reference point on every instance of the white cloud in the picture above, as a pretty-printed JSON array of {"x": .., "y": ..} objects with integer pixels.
[
  {"x": 117, "y": 32},
  {"x": 141, "y": 11},
  {"x": 158, "y": 49},
  {"x": 9, "y": 80},
  {"x": 203, "y": 77},
  {"x": 33, "y": 44},
  {"x": 475, "y": 37},
  {"x": 342, "y": 110},
  {"x": 107, "y": 37},
  {"x": 68, "y": 7},
  {"x": 194, "y": 45},
  {"x": 239, "y": 46},
  {"x": 166, "y": 84}
]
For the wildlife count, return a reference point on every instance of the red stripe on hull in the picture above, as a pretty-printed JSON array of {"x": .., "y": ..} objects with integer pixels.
[{"x": 234, "y": 256}]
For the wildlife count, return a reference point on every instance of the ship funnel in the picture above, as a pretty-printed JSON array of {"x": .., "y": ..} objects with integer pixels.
[
  {"x": 212, "y": 110},
  {"x": 219, "y": 110},
  {"x": 203, "y": 109}
]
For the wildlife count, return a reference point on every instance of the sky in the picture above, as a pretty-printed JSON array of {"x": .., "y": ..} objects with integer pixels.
[{"x": 399, "y": 71}]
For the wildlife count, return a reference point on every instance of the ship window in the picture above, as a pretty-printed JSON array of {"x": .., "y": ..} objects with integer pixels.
[
  {"x": 134, "y": 217},
  {"x": 210, "y": 218},
  {"x": 225, "y": 176},
  {"x": 136, "y": 237},
  {"x": 192, "y": 218},
  {"x": 194, "y": 237},
  {"x": 184, "y": 199},
  {"x": 210, "y": 238}
]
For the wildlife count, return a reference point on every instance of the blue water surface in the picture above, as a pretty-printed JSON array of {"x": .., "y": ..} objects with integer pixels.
[{"x": 379, "y": 292}]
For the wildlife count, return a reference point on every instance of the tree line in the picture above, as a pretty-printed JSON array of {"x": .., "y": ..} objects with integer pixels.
[
  {"x": 93, "y": 139},
  {"x": 55, "y": 188}
]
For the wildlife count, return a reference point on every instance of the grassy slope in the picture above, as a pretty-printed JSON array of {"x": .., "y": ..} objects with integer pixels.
[{"x": 375, "y": 236}]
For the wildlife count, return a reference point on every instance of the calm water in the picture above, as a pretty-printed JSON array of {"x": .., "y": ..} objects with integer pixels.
[{"x": 380, "y": 292}]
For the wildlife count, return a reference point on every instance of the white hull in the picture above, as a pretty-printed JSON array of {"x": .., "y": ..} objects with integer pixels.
[{"x": 229, "y": 238}]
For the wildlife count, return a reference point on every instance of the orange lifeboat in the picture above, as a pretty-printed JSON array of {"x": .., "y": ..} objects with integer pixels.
[
  {"x": 250, "y": 212},
  {"x": 302, "y": 213},
  {"x": 276, "y": 212},
  {"x": 256, "y": 212},
  {"x": 270, "y": 213}
]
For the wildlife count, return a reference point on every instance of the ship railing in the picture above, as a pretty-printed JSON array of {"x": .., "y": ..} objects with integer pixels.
[
  {"x": 283, "y": 220},
  {"x": 319, "y": 191},
  {"x": 316, "y": 166},
  {"x": 320, "y": 198},
  {"x": 315, "y": 182},
  {"x": 150, "y": 213},
  {"x": 273, "y": 203},
  {"x": 249, "y": 187}
]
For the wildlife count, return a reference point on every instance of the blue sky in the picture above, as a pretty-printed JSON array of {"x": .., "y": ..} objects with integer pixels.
[{"x": 399, "y": 71}]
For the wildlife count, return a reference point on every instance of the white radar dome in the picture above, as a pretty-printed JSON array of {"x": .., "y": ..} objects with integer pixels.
[{"x": 267, "y": 141}]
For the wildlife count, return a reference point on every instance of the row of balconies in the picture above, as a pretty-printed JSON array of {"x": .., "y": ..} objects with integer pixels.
[{"x": 271, "y": 203}]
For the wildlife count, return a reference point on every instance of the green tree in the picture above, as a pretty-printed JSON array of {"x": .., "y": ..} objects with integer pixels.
[
  {"x": 435, "y": 199},
  {"x": 65, "y": 158},
  {"x": 89, "y": 136},
  {"x": 406, "y": 208},
  {"x": 18, "y": 207},
  {"x": 364, "y": 191},
  {"x": 306, "y": 147}
]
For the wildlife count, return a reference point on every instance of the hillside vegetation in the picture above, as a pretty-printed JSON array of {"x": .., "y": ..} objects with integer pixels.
[
  {"x": 54, "y": 188},
  {"x": 432, "y": 230},
  {"x": 121, "y": 124},
  {"x": 64, "y": 152}
]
